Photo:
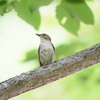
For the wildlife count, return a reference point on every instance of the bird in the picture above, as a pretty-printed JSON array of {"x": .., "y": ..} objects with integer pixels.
[{"x": 46, "y": 50}]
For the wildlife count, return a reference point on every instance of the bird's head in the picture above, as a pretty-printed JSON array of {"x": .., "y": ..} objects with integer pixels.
[{"x": 44, "y": 37}]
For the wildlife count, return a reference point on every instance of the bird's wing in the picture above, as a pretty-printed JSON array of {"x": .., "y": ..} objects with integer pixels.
[
  {"x": 39, "y": 56},
  {"x": 53, "y": 47}
]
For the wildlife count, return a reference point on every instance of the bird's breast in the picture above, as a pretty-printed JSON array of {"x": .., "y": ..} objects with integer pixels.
[{"x": 46, "y": 53}]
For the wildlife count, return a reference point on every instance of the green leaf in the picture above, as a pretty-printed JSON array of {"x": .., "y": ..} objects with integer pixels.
[
  {"x": 3, "y": 5},
  {"x": 8, "y": 1},
  {"x": 79, "y": 10},
  {"x": 35, "y": 4},
  {"x": 23, "y": 11},
  {"x": 70, "y": 24},
  {"x": 30, "y": 55},
  {"x": 70, "y": 12}
]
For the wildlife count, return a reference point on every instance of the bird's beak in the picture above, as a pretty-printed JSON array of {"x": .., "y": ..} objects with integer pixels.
[{"x": 38, "y": 34}]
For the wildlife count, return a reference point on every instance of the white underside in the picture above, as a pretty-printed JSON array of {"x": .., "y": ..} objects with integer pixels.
[{"x": 46, "y": 52}]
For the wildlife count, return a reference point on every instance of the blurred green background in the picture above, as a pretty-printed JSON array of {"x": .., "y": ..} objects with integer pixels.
[{"x": 73, "y": 26}]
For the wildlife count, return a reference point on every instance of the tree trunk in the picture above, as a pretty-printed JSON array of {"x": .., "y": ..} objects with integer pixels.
[{"x": 49, "y": 73}]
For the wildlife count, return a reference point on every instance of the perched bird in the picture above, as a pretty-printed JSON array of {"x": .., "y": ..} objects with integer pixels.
[{"x": 46, "y": 50}]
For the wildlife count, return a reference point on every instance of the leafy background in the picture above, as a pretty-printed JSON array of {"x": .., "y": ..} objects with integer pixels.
[{"x": 73, "y": 26}]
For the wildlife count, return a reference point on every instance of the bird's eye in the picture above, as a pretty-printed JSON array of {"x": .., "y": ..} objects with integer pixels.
[{"x": 44, "y": 34}]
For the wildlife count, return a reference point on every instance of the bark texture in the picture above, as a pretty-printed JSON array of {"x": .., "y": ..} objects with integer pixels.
[{"x": 46, "y": 74}]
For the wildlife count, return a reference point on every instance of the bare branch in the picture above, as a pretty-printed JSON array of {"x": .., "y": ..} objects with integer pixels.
[{"x": 46, "y": 74}]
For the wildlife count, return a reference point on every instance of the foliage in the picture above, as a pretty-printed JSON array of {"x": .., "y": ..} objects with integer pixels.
[
  {"x": 69, "y": 12},
  {"x": 3, "y": 5},
  {"x": 75, "y": 11}
]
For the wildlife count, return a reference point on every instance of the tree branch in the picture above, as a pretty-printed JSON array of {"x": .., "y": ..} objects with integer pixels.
[{"x": 46, "y": 74}]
